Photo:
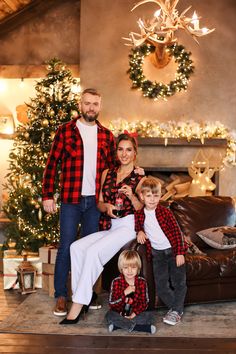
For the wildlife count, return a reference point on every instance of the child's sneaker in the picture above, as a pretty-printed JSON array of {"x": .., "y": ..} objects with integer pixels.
[
  {"x": 153, "y": 329},
  {"x": 172, "y": 318},
  {"x": 169, "y": 311},
  {"x": 110, "y": 328}
]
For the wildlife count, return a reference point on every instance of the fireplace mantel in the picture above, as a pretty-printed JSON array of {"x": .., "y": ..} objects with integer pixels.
[
  {"x": 170, "y": 155},
  {"x": 182, "y": 142}
]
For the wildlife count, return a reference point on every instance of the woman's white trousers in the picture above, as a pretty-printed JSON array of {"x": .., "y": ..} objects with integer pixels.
[{"x": 92, "y": 252}]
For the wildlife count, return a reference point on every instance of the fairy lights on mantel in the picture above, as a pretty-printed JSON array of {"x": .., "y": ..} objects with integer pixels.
[{"x": 188, "y": 130}]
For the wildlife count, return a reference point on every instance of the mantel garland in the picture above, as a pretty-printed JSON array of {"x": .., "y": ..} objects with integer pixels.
[
  {"x": 155, "y": 90},
  {"x": 188, "y": 129}
]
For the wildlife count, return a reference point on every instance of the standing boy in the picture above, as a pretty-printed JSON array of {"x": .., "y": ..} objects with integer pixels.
[{"x": 157, "y": 224}]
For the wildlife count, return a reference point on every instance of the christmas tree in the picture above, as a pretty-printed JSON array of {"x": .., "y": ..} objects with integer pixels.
[{"x": 54, "y": 104}]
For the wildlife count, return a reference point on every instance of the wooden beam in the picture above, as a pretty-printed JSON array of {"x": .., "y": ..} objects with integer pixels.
[
  {"x": 13, "y": 4},
  {"x": 32, "y": 10},
  {"x": 31, "y": 71}
]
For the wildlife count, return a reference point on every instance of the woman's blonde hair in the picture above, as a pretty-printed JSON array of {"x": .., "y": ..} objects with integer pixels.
[{"x": 129, "y": 258}]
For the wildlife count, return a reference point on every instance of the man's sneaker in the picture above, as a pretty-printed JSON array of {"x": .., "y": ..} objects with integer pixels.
[
  {"x": 110, "y": 328},
  {"x": 61, "y": 307},
  {"x": 153, "y": 329},
  {"x": 94, "y": 303},
  {"x": 172, "y": 318}
]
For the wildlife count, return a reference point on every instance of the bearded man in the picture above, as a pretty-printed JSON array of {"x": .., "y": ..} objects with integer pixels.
[{"x": 83, "y": 148}]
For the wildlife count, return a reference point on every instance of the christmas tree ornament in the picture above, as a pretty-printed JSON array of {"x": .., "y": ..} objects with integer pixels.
[
  {"x": 40, "y": 214},
  {"x": 74, "y": 114},
  {"x": 51, "y": 112},
  {"x": 45, "y": 123}
]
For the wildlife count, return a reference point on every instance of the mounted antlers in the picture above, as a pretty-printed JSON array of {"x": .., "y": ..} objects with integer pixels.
[{"x": 159, "y": 31}]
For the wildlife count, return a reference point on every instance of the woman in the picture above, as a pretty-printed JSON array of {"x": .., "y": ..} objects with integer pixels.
[{"x": 91, "y": 253}]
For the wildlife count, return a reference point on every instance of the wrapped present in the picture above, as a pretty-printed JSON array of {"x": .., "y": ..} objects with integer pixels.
[
  {"x": 10, "y": 265},
  {"x": 1, "y": 260},
  {"x": 48, "y": 278},
  {"x": 48, "y": 254}
]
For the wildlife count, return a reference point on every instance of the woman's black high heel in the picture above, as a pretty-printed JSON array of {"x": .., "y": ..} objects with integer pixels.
[{"x": 83, "y": 311}]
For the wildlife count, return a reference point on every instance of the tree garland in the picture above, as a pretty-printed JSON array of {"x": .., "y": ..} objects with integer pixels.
[{"x": 155, "y": 90}]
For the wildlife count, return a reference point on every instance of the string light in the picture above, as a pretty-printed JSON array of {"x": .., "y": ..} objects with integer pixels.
[{"x": 177, "y": 129}]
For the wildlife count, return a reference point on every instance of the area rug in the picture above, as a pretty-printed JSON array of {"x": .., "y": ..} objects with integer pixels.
[{"x": 34, "y": 315}]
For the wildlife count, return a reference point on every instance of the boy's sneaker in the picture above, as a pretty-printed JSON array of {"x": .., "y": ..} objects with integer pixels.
[
  {"x": 110, "y": 328},
  {"x": 94, "y": 303},
  {"x": 172, "y": 318},
  {"x": 153, "y": 329}
]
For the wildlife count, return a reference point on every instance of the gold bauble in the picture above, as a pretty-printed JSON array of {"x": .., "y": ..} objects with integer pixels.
[
  {"x": 45, "y": 123},
  {"x": 52, "y": 134},
  {"x": 27, "y": 177},
  {"x": 51, "y": 113},
  {"x": 40, "y": 214},
  {"x": 74, "y": 114}
]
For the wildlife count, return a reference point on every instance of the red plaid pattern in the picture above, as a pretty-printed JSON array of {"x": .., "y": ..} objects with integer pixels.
[
  {"x": 67, "y": 149},
  {"x": 110, "y": 190},
  {"x": 117, "y": 296},
  {"x": 168, "y": 225}
]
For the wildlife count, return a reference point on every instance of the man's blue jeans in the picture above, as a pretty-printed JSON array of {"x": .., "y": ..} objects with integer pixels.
[{"x": 71, "y": 215}]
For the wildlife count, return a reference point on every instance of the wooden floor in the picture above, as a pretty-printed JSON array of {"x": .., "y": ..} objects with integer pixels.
[{"x": 61, "y": 344}]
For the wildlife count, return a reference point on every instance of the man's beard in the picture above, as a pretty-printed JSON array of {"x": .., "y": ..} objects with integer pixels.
[{"x": 89, "y": 118}]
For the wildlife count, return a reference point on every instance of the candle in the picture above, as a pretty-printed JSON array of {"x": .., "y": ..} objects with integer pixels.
[{"x": 195, "y": 21}]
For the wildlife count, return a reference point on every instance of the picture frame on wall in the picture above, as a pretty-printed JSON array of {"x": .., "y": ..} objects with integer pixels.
[{"x": 7, "y": 126}]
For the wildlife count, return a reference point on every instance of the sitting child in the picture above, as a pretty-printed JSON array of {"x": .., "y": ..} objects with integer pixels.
[
  {"x": 157, "y": 224},
  {"x": 128, "y": 297}
]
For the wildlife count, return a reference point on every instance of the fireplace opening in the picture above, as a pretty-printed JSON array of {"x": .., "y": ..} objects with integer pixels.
[{"x": 177, "y": 183}]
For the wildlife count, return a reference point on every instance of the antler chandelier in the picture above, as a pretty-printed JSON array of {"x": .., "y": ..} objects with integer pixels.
[
  {"x": 166, "y": 20},
  {"x": 158, "y": 36}
]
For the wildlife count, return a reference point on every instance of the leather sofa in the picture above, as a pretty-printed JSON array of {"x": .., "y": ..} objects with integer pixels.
[{"x": 211, "y": 276}]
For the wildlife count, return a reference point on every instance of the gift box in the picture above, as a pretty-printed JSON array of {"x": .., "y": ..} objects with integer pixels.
[
  {"x": 1, "y": 260},
  {"x": 10, "y": 265},
  {"x": 48, "y": 254},
  {"x": 48, "y": 280}
]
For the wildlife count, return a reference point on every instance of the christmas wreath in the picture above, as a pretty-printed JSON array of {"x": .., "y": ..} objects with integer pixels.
[{"x": 155, "y": 90}]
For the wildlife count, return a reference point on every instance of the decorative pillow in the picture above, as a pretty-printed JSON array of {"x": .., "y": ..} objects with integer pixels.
[
  {"x": 222, "y": 237},
  {"x": 192, "y": 248}
]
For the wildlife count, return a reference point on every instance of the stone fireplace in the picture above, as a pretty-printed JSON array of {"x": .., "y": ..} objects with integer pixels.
[{"x": 169, "y": 159}]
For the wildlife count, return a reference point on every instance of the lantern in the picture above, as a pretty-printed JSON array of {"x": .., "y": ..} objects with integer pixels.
[{"x": 26, "y": 274}]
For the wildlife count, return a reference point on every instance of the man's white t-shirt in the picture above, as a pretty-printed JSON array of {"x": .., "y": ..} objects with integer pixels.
[
  {"x": 89, "y": 136},
  {"x": 158, "y": 239}
]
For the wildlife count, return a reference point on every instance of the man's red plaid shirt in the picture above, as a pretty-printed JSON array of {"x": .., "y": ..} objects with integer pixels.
[
  {"x": 67, "y": 149},
  {"x": 117, "y": 296},
  {"x": 168, "y": 225}
]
